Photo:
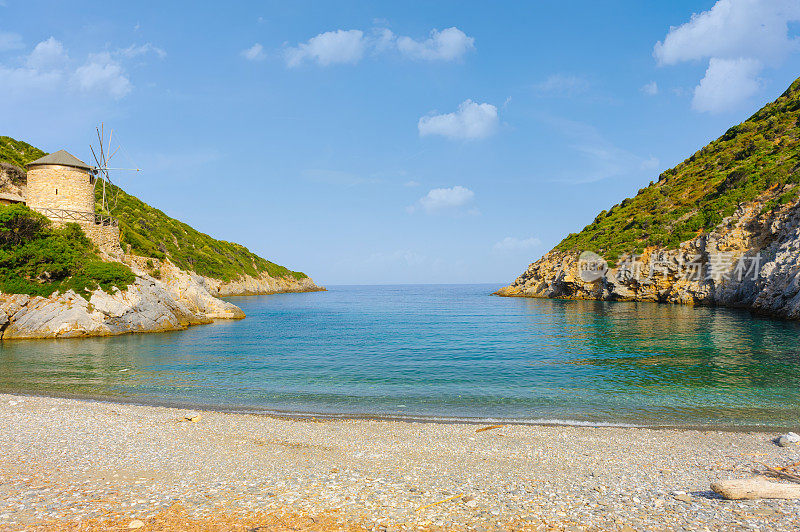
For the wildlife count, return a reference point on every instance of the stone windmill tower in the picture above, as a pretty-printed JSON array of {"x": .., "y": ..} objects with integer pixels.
[{"x": 61, "y": 187}]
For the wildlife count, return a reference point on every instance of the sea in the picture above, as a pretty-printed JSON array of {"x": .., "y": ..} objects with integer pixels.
[{"x": 443, "y": 353}]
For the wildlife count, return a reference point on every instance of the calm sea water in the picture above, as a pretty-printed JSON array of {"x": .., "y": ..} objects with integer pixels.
[{"x": 444, "y": 352}]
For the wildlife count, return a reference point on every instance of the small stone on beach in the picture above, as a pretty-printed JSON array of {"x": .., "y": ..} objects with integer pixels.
[
  {"x": 136, "y": 524},
  {"x": 787, "y": 439}
]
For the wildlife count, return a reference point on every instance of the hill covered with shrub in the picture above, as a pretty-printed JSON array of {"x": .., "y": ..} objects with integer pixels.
[
  {"x": 757, "y": 159},
  {"x": 149, "y": 232}
]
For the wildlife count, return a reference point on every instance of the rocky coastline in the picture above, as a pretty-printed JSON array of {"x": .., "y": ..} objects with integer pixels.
[
  {"x": 751, "y": 261},
  {"x": 175, "y": 300}
]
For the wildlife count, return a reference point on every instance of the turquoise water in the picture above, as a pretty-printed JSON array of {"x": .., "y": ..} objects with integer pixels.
[{"x": 451, "y": 352}]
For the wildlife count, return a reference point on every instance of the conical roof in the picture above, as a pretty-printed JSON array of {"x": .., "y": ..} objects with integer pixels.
[{"x": 62, "y": 158}]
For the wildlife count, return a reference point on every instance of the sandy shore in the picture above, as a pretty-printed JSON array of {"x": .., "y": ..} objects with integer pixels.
[{"x": 67, "y": 464}]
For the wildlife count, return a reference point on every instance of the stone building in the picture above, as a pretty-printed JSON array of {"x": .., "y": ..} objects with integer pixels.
[{"x": 61, "y": 187}]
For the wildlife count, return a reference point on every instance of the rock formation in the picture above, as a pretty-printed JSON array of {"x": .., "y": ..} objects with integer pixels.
[
  {"x": 747, "y": 263},
  {"x": 176, "y": 301},
  {"x": 721, "y": 228}
]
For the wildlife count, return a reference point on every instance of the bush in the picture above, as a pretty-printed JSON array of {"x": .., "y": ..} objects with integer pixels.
[{"x": 39, "y": 259}]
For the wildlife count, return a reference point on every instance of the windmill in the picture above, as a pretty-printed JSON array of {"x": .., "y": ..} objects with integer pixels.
[{"x": 103, "y": 161}]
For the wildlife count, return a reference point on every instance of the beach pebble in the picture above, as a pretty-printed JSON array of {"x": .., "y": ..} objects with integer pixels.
[
  {"x": 136, "y": 524},
  {"x": 682, "y": 496},
  {"x": 787, "y": 439}
]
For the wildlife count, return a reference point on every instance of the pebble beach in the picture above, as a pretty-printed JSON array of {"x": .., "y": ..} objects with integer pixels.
[{"x": 70, "y": 464}]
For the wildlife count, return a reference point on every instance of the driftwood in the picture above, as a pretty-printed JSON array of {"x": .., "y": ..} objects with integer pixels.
[
  {"x": 482, "y": 429},
  {"x": 755, "y": 488}
]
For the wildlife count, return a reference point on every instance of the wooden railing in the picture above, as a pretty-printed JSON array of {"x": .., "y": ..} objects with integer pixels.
[{"x": 78, "y": 216}]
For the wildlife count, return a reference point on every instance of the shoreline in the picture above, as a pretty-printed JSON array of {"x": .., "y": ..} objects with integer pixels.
[
  {"x": 68, "y": 464},
  {"x": 437, "y": 420}
]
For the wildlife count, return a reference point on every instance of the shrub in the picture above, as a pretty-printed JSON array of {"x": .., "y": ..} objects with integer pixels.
[{"x": 39, "y": 259}]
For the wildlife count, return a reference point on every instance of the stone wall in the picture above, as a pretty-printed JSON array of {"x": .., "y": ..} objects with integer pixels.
[
  {"x": 60, "y": 187},
  {"x": 106, "y": 237}
]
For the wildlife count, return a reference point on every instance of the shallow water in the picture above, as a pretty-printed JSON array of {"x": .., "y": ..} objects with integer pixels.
[{"x": 446, "y": 351}]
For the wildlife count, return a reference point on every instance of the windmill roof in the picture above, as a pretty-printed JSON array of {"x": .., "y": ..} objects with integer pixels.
[{"x": 62, "y": 158}]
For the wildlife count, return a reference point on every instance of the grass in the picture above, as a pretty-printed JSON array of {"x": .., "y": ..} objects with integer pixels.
[{"x": 758, "y": 159}]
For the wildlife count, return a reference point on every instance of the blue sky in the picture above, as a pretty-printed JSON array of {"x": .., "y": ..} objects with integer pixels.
[{"x": 403, "y": 142}]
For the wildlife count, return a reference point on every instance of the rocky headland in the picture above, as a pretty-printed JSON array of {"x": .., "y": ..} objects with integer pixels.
[
  {"x": 721, "y": 228},
  {"x": 746, "y": 263},
  {"x": 170, "y": 276}
]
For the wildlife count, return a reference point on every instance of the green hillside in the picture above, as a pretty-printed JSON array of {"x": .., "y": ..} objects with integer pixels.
[
  {"x": 757, "y": 159},
  {"x": 17, "y": 152},
  {"x": 151, "y": 233}
]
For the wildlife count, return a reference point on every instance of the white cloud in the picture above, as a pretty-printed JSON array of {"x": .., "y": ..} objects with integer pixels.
[
  {"x": 48, "y": 67},
  {"x": 739, "y": 38},
  {"x": 10, "y": 41},
  {"x": 727, "y": 83},
  {"x": 340, "y": 46},
  {"x": 562, "y": 85},
  {"x": 733, "y": 28},
  {"x": 444, "y": 199},
  {"x": 510, "y": 243},
  {"x": 350, "y": 46},
  {"x": 102, "y": 74},
  {"x": 254, "y": 53},
  {"x": 47, "y": 55},
  {"x": 651, "y": 89},
  {"x": 445, "y": 45},
  {"x": 471, "y": 121},
  {"x": 142, "y": 49}
]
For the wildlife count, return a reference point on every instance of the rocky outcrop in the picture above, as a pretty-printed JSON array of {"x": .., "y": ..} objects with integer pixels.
[
  {"x": 148, "y": 305},
  {"x": 244, "y": 286},
  {"x": 251, "y": 286},
  {"x": 750, "y": 261}
]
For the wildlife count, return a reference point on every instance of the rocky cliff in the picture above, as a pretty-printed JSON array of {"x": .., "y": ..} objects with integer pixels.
[
  {"x": 177, "y": 300},
  {"x": 721, "y": 228},
  {"x": 178, "y": 273}
]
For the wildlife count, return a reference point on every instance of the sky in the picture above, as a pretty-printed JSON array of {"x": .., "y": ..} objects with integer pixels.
[{"x": 391, "y": 142}]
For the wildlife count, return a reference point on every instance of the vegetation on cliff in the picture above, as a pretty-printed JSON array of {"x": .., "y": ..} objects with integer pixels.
[
  {"x": 151, "y": 233},
  {"x": 17, "y": 152},
  {"x": 37, "y": 258},
  {"x": 758, "y": 159}
]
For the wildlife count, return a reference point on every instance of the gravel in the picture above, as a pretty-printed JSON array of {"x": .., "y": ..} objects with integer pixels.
[{"x": 67, "y": 461}]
